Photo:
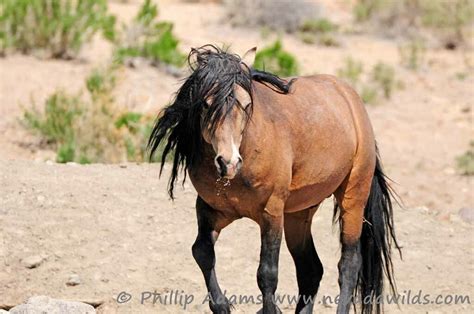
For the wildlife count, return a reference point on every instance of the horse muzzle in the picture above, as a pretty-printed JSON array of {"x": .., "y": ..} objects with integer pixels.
[{"x": 228, "y": 169}]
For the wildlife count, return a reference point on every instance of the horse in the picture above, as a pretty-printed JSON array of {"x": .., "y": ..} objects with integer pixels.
[{"x": 271, "y": 149}]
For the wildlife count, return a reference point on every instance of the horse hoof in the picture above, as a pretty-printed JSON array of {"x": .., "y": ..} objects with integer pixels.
[
  {"x": 221, "y": 308},
  {"x": 276, "y": 310}
]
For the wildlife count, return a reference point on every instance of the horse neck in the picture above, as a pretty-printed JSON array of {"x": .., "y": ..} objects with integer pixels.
[{"x": 257, "y": 125}]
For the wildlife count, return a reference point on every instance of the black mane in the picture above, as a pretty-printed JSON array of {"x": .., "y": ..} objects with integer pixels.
[{"x": 178, "y": 126}]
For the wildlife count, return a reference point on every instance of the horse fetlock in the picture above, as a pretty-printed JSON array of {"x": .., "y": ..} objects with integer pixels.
[
  {"x": 269, "y": 309},
  {"x": 220, "y": 306}
]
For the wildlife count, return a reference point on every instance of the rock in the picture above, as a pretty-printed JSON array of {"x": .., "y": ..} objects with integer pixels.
[
  {"x": 466, "y": 214},
  {"x": 2, "y": 311},
  {"x": 44, "y": 304},
  {"x": 73, "y": 280},
  {"x": 32, "y": 261}
]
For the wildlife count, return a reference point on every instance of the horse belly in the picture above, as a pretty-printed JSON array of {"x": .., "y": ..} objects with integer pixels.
[
  {"x": 313, "y": 194},
  {"x": 319, "y": 173}
]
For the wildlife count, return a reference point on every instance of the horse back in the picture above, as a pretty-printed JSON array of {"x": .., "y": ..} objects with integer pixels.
[{"x": 321, "y": 131}]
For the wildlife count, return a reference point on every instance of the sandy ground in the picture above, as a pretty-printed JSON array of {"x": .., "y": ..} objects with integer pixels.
[{"x": 115, "y": 227}]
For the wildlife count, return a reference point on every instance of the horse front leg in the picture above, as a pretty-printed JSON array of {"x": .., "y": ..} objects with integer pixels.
[
  {"x": 209, "y": 226},
  {"x": 271, "y": 227}
]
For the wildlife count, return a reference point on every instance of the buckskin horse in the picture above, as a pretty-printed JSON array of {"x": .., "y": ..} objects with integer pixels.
[{"x": 280, "y": 148}]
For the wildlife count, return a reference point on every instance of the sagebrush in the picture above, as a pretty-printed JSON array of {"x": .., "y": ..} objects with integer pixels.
[
  {"x": 412, "y": 54},
  {"x": 276, "y": 60},
  {"x": 446, "y": 20},
  {"x": 52, "y": 28},
  {"x": 321, "y": 31},
  {"x": 465, "y": 162},
  {"x": 146, "y": 38},
  {"x": 380, "y": 81},
  {"x": 91, "y": 128}
]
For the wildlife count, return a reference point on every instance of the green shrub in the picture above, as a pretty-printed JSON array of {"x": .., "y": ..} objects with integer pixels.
[
  {"x": 55, "y": 28},
  {"x": 368, "y": 95},
  {"x": 56, "y": 124},
  {"x": 328, "y": 40},
  {"x": 91, "y": 129},
  {"x": 318, "y": 30},
  {"x": 351, "y": 71},
  {"x": 445, "y": 19},
  {"x": 365, "y": 9},
  {"x": 465, "y": 162},
  {"x": 452, "y": 15},
  {"x": 149, "y": 39},
  {"x": 412, "y": 54},
  {"x": 318, "y": 26},
  {"x": 461, "y": 75},
  {"x": 307, "y": 38},
  {"x": 383, "y": 75},
  {"x": 276, "y": 60}
]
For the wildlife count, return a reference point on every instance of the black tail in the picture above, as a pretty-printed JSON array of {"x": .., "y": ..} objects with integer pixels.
[{"x": 378, "y": 234}]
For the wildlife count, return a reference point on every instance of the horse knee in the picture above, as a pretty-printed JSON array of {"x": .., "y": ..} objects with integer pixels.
[{"x": 203, "y": 253}]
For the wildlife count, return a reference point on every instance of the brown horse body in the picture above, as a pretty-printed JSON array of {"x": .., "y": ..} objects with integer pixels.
[
  {"x": 282, "y": 148},
  {"x": 324, "y": 143}
]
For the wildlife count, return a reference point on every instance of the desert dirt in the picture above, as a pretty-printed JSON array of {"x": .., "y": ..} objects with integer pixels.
[{"x": 116, "y": 229}]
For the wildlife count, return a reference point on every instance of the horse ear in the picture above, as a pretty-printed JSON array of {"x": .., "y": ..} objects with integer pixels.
[{"x": 249, "y": 57}]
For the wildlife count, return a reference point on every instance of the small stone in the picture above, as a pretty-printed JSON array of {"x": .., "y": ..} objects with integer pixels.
[
  {"x": 466, "y": 214},
  {"x": 73, "y": 280},
  {"x": 40, "y": 198},
  {"x": 123, "y": 165},
  {"x": 32, "y": 261}
]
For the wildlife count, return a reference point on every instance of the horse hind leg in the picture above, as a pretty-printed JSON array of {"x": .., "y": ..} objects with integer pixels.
[
  {"x": 309, "y": 269},
  {"x": 366, "y": 251},
  {"x": 351, "y": 199}
]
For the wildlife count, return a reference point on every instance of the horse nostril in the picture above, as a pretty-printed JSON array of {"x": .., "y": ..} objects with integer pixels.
[{"x": 220, "y": 161}]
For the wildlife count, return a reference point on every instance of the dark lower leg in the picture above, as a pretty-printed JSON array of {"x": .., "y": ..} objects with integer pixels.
[
  {"x": 349, "y": 266},
  {"x": 267, "y": 274},
  {"x": 203, "y": 253},
  {"x": 309, "y": 269}
]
